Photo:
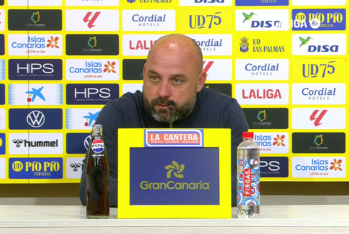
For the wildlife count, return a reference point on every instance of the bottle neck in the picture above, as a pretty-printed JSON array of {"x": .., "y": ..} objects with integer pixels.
[
  {"x": 97, "y": 132},
  {"x": 248, "y": 139}
]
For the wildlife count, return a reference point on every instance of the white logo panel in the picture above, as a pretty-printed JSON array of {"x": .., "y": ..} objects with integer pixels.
[
  {"x": 319, "y": 2},
  {"x": 218, "y": 69},
  {"x": 262, "y": 94},
  {"x": 2, "y": 20},
  {"x": 318, "y": 167},
  {"x": 37, "y": 143},
  {"x": 92, "y": 69},
  {"x": 2, "y": 119},
  {"x": 272, "y": 143},
  {"x": 35, "y": 94},
  {"x": 214, "y": 44},
  {"x": 262, "y": 69},
  {"x": 320, "y": 94},
  {"x": 149, "y": 20},
  {"x": 319, "y": 44},
  {"x": 82, "y": 119},
  {"x": 2, "y": 168},
  {"x": 319, "y": 118},
  {"x": 92, "y": 20},
  {"x": 138, "y": 45},
  {"x": 35, "y": 44},
  {"x": 91, "y": 3},
  {"x": 208, "y": 3},
  {"x": 35, "y": 2},
  {"x": 261, "y": 20},
  {"x": 74, "y": 168}
]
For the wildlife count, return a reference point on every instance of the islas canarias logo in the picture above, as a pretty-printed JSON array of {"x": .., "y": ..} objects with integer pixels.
[
  {"x": 177, "y": 171},
  {"x": 262, "y": 115}
]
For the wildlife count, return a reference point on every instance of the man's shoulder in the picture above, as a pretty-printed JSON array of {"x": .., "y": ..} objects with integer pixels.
[
  {"x": 128, "y": 100},
  {"x": 215, "y": 98}
]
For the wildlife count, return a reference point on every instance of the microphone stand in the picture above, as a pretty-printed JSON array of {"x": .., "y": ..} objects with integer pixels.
[{"x": 171, "y": 107}]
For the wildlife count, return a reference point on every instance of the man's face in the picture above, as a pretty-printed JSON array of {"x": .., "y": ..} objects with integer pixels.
[{"x": 170, "y": 76}]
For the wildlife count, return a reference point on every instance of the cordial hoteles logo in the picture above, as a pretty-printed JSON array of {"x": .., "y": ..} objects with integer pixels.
[
  {"x": 266, "y": 118},
  {"x": 92, "y": 3},
  {"x": 262, "y": 69},
  {"x": 321, "y": 94},
  {"x": 216, "y": 44},
  {"x": 92, "y": 20},
  {"x": 319, "y": 44},
  {"x": 35, "y": 3},
  {"x": 138, "y": 45},
  {"x": 319, "y": 118},
  {"x": 208, "y": 3},
  {"x": 35, "y": 69},
  {"x": 261, "y": 3},
  {"x": 94, "y": 69},
  {"x": 218, "y": 69},
  {"x": 35, "y": 20},
  {"x": 262, "y": 94},
  {"x": 319, "y": 3},
  {"x": 23, "y": 119},
  {"x": 82, "y": 119},
  {"x": 2, "y": 20},
  {"x": 318, "y": 142},
  {"x": 319, "y": 167},
  {"x": 35, "y": 44},
  {"x": 149, "y": 20},
  {"x": 38, "y": 94},
  {"x": 261, "y": 20},
  {"x": 91, "y": 94},
  {"x": 273, "y": 166},
  {"x": 327, "y": 19},
  {"x": 36, "y": 143},
  {"x": 272, "y": 143},
  {"x": 92, "y": 44},
  {"x": 205, "y": 20}
]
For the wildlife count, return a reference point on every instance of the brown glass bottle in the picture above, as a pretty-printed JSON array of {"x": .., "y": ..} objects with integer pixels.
[{"x": 97, "y": 177}]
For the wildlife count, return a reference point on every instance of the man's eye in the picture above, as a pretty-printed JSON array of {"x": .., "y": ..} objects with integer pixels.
[
  {"x": 177, "y": 81},
  {"x": 154, "y": 78}
]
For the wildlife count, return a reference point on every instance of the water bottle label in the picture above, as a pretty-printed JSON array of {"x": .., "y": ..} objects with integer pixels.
[{"x": 248, "y": 182}]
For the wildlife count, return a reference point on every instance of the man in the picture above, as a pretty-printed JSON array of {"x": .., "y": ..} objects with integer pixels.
[{"x": 173, "y": 72}]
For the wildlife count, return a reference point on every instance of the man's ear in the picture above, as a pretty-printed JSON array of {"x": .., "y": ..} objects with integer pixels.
[{"x": 201, "y": 81}]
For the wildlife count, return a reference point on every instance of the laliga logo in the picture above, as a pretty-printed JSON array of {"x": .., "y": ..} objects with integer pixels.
[{"x": 179, "y": 169}]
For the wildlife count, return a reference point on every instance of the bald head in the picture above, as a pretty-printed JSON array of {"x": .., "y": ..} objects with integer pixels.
[{"x": 179, "y": 46}]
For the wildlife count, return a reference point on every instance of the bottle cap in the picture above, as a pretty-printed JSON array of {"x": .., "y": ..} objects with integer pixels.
[{"x": 247, "y": 135}]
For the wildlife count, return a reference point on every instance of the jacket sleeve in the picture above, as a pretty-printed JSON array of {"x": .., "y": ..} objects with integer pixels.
[
  {"x": 111, "y": 119},
  {"x": 234, "y": 118}
]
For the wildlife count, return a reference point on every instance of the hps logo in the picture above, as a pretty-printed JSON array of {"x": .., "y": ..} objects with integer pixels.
[{"x": 175, "y": 166}]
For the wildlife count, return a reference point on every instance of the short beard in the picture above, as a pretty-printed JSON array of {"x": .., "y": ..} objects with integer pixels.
[{"x": 180, "y": 112}]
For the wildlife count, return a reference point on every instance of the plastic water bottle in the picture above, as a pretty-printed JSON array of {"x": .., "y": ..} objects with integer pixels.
[{"x": 248, "y": 178}]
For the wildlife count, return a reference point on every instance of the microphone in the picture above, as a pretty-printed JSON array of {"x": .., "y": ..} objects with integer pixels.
[{"x": 171, "y": 107}]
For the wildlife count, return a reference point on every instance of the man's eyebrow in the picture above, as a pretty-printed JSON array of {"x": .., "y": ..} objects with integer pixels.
[
  {"x": 154, "y": 72},
  {"x": 178, "y": 75}
]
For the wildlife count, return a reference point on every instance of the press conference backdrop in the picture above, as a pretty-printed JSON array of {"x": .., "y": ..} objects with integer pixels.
[{"x": 284, "y": 61}]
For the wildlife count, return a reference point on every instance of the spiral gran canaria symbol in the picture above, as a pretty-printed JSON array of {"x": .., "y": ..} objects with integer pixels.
[{"x": 175, "y": 166}]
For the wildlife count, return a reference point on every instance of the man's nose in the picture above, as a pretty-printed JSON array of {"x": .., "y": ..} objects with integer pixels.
[{"x": 164, "y": 90}]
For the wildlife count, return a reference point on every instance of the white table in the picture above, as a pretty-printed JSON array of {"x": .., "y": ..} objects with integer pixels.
[{"x": 273, "y": 219}]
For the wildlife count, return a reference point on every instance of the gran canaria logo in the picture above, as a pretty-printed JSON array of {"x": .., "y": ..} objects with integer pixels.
[
  {"x": 262, "y": 115},
  {"x": 176, "y": 170}
]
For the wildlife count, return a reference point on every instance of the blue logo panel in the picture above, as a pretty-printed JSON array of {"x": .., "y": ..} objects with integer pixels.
[
  {"x": 78, "y": 143},
  {"x": 35, "y": 69},
  {"x": 274, "y": 166},
  {"x": 174, "y": 176},
  {"x": 261, "y": 3},
  {"x": 36, "y": 119},
  {"x": 2, "y": 94},
  {"x": 91, "y": 94},
  {"x": 2, "y": 44},
  {"x": 36, "y": 168},
  {"x": 2, "y": 143},
  {"x": 330, "y": 19},
  {"x": 2, "y": 69}
]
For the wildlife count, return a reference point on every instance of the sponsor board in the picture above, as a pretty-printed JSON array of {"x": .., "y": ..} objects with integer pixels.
[
  {"x": 261, "y": 69},
  {"x": 266, "y": 118},
  {"x": 92, "y": 44},
  {"x": 92, "y": 69},
  {"x": 2, "y": 119},
  {"x": 258, "y": 45},
  {"x": 35, "y": 20},
  {"x": 218, "y": 69},
  {"x": 319, "y": 167},
  {"x": 21, "y": 119},
  {"x": 2, "y": 69},
  {"x": 92, "y": 3},
  {"x": 81, "y": 119},
  {"x": 138, "y": 45},
  {"x": 261, "y": 20},
  {"x": 262, "y": 94},
  {"x": 35, "y": 3},
  {"x": 91, "y": 94},
  {"x": 35, "y": 69},
  {"x": 273, "y": 166},
  {"x": 131, "y": 88},
  {"x": 35, "y": 94},
  {"x": 318, "y": 2},
  {"x": 2, "y": 168},
  {"x": 205, "y": 20},
  {"x": 2, "y": 44},
  {"x": 223, "y": 88},
  {"x": 78, "y": 143},
  {"x": 261, "y": 3},
  {"x": 328, "y": 19},
  {"x": 272, "y": 143},
  {"x": 320, "y": 94},
  {"x": 35, "y": 44},
  {"x": 318, "y": 142},
  {"x": 143, "y": 3},
  {"x": 2, "y": 143},
  {"x": 92, "y": 20},
  {"x": 173, "y": 138},
  {"x": 2, "y": 19},
  {"x": 216, "y": 44},
  {"x": 132, "y": 69},
  {"x": 2, "y": 94},
  {"x": 319, "y": 118},
  {"x": 36, "y": 168},
  {"x": 74, "y": 168},
  {"x": 319, "y": 69},
  {"x": 208, "y": 3},
  {"x": 319, "y": 44},
  {"x": 148, "y": 20},
  {"x": 36, "y": 143}
]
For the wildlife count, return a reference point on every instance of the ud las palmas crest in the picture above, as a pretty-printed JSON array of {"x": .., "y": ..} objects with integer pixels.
[{"x": 244, "y": 45}]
